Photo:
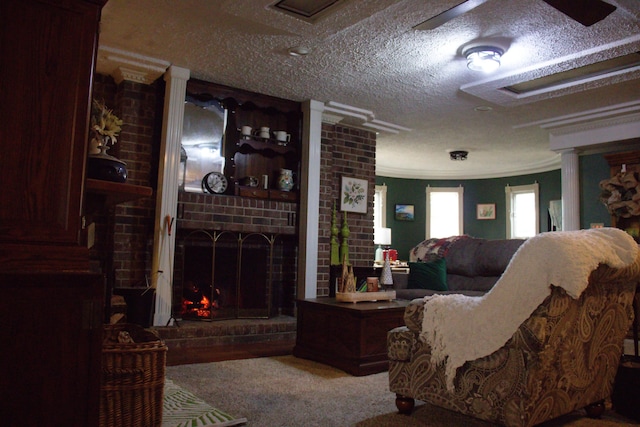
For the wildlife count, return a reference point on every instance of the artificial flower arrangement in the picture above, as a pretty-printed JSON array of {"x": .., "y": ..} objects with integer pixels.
[
  {"x": 621, "y": 194},
  {"x": 105, "y": 125}
]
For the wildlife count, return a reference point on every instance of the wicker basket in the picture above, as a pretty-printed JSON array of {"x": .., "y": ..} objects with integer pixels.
[{"x": 132, "y": 385}]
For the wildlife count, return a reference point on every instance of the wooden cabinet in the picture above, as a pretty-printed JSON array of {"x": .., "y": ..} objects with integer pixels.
[
  {"x": 48, "y": 49},
  {"x": 51, "y": 340},
  {"x": 254, "y": 155},
  {"x": 349, "y": 336},
  {"x": 51, "y": 306}
]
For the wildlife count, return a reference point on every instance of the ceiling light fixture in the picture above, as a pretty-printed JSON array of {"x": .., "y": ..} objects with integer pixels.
[
  {"x": 483, "y": 58},
  {"x": 458, "y": 155}
]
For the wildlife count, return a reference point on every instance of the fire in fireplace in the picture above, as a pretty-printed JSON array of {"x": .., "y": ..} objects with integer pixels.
[
  {"x": 225, "y": 275},
  {"x": 196, "y": 304}
]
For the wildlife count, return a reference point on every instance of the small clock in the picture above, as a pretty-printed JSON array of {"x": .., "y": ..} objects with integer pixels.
[{"x": 214, "y": 182}]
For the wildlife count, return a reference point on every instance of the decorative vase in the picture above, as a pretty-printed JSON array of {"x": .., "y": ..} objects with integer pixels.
[
  {"x": 285, "y": 180},
  {"x": 386, "y": 279},
  {"x": 94, "y": 145},
  {"x": 105, "y": 167}
]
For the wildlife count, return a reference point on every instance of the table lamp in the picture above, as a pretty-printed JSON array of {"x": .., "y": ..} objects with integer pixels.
[{"x": 381, "y": 237}]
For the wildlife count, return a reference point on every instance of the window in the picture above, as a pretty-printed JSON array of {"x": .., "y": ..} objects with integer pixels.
[
  {"x": 444, "y": 212},
  {"x": 522, "y": 211},
  {"x": 379, "y": 207}
]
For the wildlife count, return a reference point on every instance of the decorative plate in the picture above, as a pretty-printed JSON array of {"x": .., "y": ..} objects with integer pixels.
[{"x": 215, "y": 182}]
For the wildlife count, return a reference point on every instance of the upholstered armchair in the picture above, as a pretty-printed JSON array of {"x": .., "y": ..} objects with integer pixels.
[{"x": 563, "y": 357}]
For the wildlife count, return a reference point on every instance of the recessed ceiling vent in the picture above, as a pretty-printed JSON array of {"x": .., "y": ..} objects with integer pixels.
[
  {"x": 577, "y": 75},
  {"x": 308, "y": 10}
]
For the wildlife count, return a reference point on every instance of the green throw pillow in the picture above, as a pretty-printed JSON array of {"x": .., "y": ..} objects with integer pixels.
[{"x": 428, "y": 275}]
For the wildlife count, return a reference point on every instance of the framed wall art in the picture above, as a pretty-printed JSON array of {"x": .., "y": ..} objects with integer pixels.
[
  {"x": 486, "y": 211},
  {"x": 405, "y": 212},
  {"x": 353, "y": 195}
]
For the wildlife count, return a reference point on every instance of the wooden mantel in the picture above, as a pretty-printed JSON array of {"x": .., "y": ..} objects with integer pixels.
[{"x": 115, "y": 192}]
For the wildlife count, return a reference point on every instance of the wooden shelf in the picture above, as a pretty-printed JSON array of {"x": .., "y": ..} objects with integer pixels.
[
  {"x": 262, "y": 145},
  {"x": 116, "y": 192}
]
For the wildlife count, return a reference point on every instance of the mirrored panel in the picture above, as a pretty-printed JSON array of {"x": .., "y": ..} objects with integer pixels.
[{"x": 202, "y": 142}]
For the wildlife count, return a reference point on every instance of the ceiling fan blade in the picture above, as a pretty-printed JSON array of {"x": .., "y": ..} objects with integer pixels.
[
  {"x": 586, "y": 12},
  {"x": 448, "y": 15}
]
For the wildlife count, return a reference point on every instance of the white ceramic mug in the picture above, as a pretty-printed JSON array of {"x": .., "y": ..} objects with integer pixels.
[
  {"x": 246, "y": 130},
  {"x": 264, "y": 132},
  {"x": 282, "y": 136}
]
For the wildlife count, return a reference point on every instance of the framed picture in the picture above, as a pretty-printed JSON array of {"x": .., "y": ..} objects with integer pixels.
[
  {"x": 404, "y": 212},
  {"x": 353, "y": 195},
  {"x": 486, "y": 211}
]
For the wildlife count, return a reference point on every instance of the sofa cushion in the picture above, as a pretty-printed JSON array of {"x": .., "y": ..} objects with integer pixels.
[
  {"x": 428, "y": 275},
  {"x": 495, "y": 255},
  {"x": 477, "y": 283},
  {"x": 462, "y": 257},
  {"x": 481, "y": 257}
]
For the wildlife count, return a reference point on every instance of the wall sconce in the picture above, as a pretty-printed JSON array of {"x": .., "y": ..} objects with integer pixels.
[{"x": 483, "y": 58}]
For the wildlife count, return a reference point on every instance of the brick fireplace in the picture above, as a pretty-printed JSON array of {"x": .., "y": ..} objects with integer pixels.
[
  {"x": 344, "y": 151},
  {"x": 240, "y": 253}
]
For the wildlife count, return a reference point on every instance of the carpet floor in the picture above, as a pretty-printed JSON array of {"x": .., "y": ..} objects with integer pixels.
[{"x": 287, "y": 391}]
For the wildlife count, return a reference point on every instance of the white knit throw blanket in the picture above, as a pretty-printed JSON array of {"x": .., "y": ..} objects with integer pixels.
[{"x": 460, "y": 328}]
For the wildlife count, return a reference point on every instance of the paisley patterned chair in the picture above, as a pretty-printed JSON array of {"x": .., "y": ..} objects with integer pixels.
[{"x": 562, "y": 358}]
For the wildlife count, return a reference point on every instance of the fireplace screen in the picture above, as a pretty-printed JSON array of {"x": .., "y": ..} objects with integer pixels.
[{"x": 228, "y": 275}]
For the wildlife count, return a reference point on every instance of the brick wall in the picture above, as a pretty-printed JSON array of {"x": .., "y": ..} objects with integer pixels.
[
  {"x": 126, "y": 230},
  {"x": 218, "y": 212},
  {"x": 345, "y": 151}
]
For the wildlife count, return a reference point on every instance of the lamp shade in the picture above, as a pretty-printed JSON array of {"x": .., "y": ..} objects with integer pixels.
[{"x": 382, "y": 236}]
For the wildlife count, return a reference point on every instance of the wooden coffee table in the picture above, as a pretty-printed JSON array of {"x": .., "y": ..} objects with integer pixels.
[{"x": 349, "y": 336}]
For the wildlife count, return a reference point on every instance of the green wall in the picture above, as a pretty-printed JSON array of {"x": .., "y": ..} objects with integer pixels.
[
  {"x": 593, "y": 169},
  {"x": 406, "y": 234}
]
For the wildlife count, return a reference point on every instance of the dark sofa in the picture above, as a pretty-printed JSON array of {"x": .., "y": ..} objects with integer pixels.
[{"x": 473, "y": 265}]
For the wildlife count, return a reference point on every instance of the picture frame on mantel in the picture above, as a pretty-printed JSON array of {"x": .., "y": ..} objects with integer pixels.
[
  {"x": 486, "y": 211},
  {"x": 353, "y": 195}
]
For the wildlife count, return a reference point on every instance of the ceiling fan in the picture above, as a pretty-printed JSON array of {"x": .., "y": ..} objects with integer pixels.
[{"x": 586, "y": 12}]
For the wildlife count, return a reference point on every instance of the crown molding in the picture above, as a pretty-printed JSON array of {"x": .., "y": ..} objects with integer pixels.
[{"x": 123, "y": 65}]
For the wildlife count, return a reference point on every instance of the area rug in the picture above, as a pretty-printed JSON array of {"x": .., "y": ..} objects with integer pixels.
[{"x": 182, "y": 408}]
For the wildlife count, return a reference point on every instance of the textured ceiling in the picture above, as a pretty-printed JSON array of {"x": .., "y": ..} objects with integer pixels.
[{"x": 367, "y": 54}]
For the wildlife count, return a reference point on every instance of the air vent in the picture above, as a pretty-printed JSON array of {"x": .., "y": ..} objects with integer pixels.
[
  {"x": 586, "y": 72},
  {"x": 309, "y": 10}
]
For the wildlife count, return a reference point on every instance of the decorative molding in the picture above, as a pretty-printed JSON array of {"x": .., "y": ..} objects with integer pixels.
[
  {"x": 545, "y": 166},
  {"x": 594, "y": 132},
  {"x": 584, "y": 116},
  {"x": 331, "y": 119},
  {"x": 335, "y": 112},
  {"x": 594, "y": 124},
  {"x": 123, "y": 65}
]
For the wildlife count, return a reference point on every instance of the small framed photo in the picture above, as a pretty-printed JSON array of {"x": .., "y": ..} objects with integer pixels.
[
  {"x": 404, "y": 212},
  {"x": 486, "y": 211},
  {"x": 353, "y": 195}
]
